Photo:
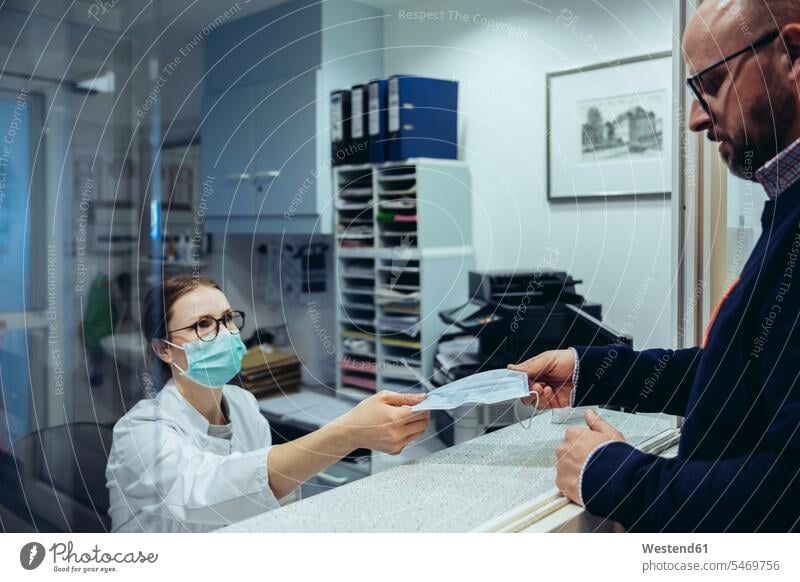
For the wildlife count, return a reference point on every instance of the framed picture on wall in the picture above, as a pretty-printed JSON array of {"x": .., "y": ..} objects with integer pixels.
[{"x": 609, "y": 129}]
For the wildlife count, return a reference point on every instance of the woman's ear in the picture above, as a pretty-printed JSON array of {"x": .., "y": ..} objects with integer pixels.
[{"x": 161, "y": 350}]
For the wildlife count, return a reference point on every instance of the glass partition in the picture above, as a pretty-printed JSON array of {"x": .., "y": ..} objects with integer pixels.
[{"x": 75, "y": 163}]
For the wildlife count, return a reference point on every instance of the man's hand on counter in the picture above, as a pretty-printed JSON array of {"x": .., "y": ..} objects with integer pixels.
[{"x": 575, "y": 449}]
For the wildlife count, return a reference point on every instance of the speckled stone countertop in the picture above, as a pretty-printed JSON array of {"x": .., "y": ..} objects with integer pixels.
[{"x": 454, "y": 490}]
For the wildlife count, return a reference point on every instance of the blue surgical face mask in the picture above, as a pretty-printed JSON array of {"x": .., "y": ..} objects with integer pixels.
[
  {"x": 212, "y": 364},
  {"x": 485, "y": 388}
]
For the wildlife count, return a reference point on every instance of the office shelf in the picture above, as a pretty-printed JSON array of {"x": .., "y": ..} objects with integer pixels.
[
  {"x": 404, "y": 249},
  {"x": 354, "y": 209}
]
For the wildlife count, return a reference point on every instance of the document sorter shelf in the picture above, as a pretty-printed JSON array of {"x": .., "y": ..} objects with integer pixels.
[{"x": 403, "y": 252}]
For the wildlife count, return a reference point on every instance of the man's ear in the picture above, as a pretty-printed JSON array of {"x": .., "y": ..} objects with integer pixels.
[
  {"x": 161, "y": 350},
  {"x": 790, "y": 36}
]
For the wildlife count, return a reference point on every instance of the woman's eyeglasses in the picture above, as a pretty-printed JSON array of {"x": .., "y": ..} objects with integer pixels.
[
  {"x": 695, "y": 82},
  {"x": 207, "y": 328}
]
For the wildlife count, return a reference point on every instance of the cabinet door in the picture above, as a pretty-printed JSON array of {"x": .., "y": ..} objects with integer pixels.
[
  {"x": 265, "y": 45},
  {"x": 226, "y": 146},
  {"x": 285, "y": 130}
]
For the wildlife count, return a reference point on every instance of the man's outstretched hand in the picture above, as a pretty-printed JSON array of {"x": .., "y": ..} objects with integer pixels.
[{"x": 549, "y": 376}]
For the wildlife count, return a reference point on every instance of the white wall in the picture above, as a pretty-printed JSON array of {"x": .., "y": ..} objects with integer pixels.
[
  {"x": 620, "y": 248},
  {"x": 310, "y": 319}
]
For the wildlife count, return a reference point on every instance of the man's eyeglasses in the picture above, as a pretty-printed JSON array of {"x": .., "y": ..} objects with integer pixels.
[
  {"x": 207, "y": 328},
  {"x": 695, "y": 82}
]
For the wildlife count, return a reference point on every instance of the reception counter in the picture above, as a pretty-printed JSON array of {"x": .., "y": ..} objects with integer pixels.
[{"x": 502, "y": 481}]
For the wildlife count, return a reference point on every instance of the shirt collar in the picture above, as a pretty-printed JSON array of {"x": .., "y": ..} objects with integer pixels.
[{"x": 778, "y": 174}]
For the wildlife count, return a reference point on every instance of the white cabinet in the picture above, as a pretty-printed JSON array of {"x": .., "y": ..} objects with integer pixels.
[
  {"x": 226, "y": 147},
  {"x": 284, "y": 146},
  {"x": 264, "y": 135}
]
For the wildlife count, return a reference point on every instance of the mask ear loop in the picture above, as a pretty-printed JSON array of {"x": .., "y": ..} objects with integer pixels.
[
  {"x": 166, "y": 341},
  {"x": 182, "y": 371},
  {"x": 533, "y": 414}
]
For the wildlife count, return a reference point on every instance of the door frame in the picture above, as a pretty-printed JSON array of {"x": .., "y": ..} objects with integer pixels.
[{"x": 698, "y": 209}]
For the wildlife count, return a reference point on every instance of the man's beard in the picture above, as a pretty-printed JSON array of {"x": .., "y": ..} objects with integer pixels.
[{"x": 769, "y": 119}]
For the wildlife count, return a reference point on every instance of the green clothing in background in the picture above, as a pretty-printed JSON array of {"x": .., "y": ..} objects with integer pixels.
[{"x": 99, "y": 316}]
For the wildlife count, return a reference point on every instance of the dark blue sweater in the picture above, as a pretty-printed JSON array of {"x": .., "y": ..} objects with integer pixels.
[{"x": 738, "y": 466}]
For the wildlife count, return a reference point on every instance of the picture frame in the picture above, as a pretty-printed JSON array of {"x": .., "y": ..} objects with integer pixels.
[{"x": 609, "y": 129}]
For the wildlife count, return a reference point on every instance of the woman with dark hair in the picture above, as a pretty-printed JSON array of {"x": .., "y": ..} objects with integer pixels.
[{"x": 199, "y": 455}]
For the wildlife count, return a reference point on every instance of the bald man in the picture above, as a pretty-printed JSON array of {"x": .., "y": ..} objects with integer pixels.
[{"x": 738, "y": 466}]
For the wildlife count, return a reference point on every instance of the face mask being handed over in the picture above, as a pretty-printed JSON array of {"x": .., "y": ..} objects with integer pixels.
[
  {"x": 485, "y": 388},
  {"x": 212, "y": 364}
]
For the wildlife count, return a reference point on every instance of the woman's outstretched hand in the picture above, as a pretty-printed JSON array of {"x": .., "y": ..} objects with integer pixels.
[{"x": 384, "y": 423}]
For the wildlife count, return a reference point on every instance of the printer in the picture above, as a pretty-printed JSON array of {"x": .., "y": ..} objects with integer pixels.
[{"x": 509, "y": 317}]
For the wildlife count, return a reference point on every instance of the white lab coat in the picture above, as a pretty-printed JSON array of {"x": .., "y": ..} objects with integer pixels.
[{"x": 166, "y": 474}]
